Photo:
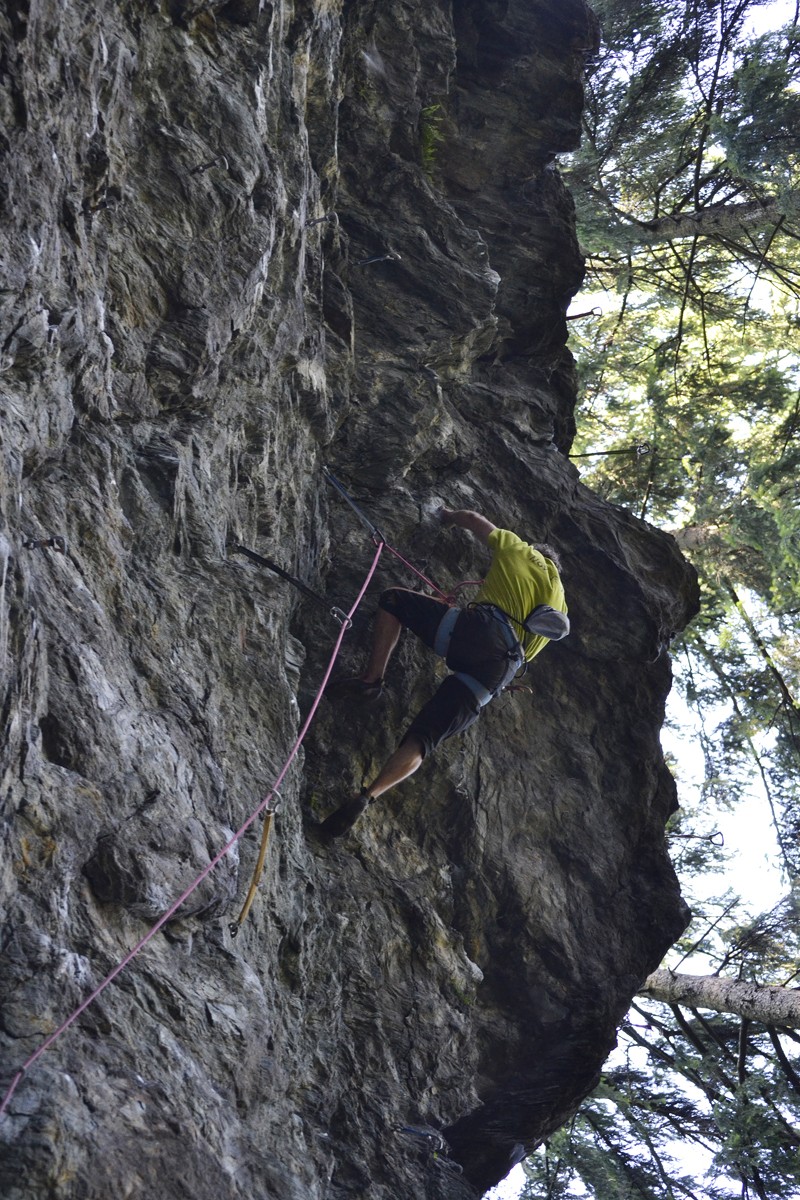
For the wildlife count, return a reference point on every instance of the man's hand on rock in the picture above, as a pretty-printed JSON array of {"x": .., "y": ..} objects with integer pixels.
[{"x": 466, "y": 519}]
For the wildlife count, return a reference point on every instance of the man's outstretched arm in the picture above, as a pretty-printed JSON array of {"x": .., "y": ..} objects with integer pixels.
[{"x": 471, "y": 521}]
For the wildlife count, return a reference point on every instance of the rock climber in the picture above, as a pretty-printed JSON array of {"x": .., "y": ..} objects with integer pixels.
[{"x": 519, "y": 608}]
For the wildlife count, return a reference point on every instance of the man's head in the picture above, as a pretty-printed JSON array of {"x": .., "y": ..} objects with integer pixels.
[{"x": 548, "y": 552}]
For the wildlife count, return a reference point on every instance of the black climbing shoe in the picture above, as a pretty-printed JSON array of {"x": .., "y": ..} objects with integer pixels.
[
  {"x": 356, "y": 689},
  {"x": 342, "y": 819}
]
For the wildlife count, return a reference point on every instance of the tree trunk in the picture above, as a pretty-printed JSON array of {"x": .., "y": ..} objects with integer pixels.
[
  {"x": 697, "y": 537},
  {"x": 769, "y": 1005},
  {"x": 716, "y": 220}
]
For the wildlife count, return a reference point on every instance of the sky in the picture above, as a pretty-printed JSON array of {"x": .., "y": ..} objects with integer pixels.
[
  {"x": 771, "y": 16},
  {"x": 748, "y": 835}
]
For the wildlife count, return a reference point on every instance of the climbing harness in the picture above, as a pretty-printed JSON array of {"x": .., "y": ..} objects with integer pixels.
[
  {"x": 516, "y": 659},
  {"x": 214, "y": 861},
  {"x": 543, "y": 621},
  {"x": 335, "y": 612},
  {"x": 441, "y": 646},
  {"x": 258, "y": 870}
]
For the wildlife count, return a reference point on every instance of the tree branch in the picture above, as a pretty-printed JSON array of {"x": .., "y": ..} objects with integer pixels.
[
  {"x": 761, "y": 645},
  {"x": 712, "y": 663},
  {"x": 780, "y": 1054},
  {"x": 754, "y": 1001},
  {"x": 741, "y": 1062}
]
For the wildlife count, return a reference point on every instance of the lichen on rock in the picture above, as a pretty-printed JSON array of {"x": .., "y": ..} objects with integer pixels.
[{"x": 226, "y": 265}]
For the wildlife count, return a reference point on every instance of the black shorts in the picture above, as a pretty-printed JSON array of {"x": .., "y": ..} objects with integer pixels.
[{"x": 477, "y": 647}]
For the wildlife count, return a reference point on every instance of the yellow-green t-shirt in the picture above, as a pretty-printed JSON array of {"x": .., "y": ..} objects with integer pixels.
[{"x": 519, "y": 579}]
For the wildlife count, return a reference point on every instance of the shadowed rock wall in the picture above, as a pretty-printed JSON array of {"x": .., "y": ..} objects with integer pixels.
[{"x": 185, "y": 342}]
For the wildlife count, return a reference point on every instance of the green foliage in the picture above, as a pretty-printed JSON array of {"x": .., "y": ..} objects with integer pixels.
[
  {"x": 681, "y": 118},
  {"x": 687, "y": 192},
  {"x": 430, "y": 135},
  {"x": 697, "y": 356},
  {"x": 698, "y": 1106},
  {"x": 757, "y": 126}
]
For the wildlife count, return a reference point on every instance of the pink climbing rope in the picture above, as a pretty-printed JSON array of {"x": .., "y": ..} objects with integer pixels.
[
  {"x": 214, "y": 861},
  {"x": 464, "y": 584},
  {"x": 416, "y": 571},
  {"x": 448, "y": 597},
  {"x": 379, "y": 539}
]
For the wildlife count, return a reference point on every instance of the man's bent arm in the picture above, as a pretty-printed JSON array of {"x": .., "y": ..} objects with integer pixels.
[{"x": 471, "y": 521}]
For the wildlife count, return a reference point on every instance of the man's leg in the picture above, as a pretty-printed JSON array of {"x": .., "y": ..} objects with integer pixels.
[
  {"x": 422, "y": 615},
  {"x": 451, "y": 710},
  {"x": 404, "y": 762},
  {"x": 386, "y": 631},
  {"x": 398, "y": 608}
]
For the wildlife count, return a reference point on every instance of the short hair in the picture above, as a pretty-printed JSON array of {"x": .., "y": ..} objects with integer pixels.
[{"x": 548, "y": 552}]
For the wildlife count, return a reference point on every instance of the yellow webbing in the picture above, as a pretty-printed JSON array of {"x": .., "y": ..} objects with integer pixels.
[{"x": 236, "y": 925}]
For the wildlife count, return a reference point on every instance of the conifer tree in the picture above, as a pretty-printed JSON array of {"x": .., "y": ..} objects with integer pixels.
[
  {"x": 687, "y": 193},
  {"x": 702, "y": 1099}
]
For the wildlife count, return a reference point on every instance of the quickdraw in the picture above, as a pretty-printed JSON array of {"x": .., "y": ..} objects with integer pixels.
[
  {"x": 639, "y": 450},
  {"x": 258, "y": 870},
  {"x": 717, "y": 838},
  {"x": 379, "y": 539},
  {"x": 334, "y": 611},
  {"x": 362, "y": 516}
]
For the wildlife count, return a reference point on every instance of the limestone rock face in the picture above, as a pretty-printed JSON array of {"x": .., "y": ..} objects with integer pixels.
[{"x": 241, "y": 241}]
